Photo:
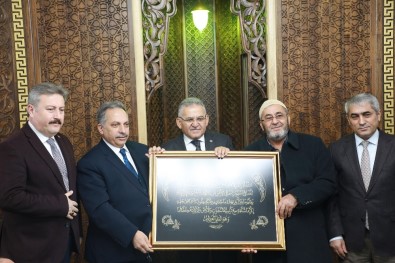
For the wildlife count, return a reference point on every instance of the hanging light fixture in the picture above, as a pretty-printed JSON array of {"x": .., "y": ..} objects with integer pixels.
[{"x": 200, "y": 16}]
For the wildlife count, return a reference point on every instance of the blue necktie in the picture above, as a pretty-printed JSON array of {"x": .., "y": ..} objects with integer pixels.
[{"x": 128, "y": 164}]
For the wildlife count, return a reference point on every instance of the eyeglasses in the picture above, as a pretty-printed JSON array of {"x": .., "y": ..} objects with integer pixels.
[
  {"x": 191, "y": 120},
  {"x": 278, "y": 116}
]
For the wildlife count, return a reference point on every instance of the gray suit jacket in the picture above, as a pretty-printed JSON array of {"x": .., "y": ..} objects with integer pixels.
[
  {"x": 212, "y": 140},
  {"x": 347, "y": 208}
]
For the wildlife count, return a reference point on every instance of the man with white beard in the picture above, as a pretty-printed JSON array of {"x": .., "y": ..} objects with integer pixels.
[{"x": 307, "y": 182}]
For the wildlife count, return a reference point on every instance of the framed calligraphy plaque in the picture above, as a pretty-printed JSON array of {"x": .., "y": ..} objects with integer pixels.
[{"x": 202, "y": 202}]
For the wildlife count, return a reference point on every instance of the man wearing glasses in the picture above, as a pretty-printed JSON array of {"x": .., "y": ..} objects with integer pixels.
[
  {"x": 307, "y": 182},
  {"x": 193, "y": 120}
]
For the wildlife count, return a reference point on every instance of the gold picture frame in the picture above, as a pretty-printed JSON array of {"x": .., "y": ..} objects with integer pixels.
[{"x": 202, "y": 202}]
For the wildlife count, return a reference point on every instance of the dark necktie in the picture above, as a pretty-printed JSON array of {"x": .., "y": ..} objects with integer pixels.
[
  {"x": 57, "y": 156},
  {"x": 128, "y": 164},
  {"x": 197, "y": 144}
]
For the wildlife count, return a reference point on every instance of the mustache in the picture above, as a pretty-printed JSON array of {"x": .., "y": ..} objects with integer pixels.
[
  {"x": 121, "y": 136},
  {"x": 55, "y": 121}
]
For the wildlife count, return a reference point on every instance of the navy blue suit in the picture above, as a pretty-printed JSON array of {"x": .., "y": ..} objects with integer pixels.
[{"x": 117, "y": 204}]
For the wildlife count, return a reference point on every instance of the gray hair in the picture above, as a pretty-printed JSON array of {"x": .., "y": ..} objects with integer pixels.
[
  {"x": 101, "y": 112},
  {"x": 363, "y": 98},
  {"x": 188, "y": 102},
  {"x": 45, "y": 88}
]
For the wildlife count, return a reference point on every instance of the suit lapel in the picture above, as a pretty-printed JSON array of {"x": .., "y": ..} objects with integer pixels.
[
  {"x": 44, "y": 154},
  {"x": 383, "y": 149},
  {"x": 137, "y": 159},
  {"x": 209, "y": 141},
  {"x": 181, "y": 143},
  {"x": 352, "y": 159}
]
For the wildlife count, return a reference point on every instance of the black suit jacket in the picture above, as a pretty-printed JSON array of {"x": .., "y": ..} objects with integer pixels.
[
  {"x": 116, "y": 203},
  {"x": 212, "y": 140},
  {"x": 347, "y": 208},
  {"x": 32, "y": 197},
  {"x": 307, "y": 172}
]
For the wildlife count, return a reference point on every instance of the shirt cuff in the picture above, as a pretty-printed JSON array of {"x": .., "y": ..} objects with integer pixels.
[{"x": 336, "y": 238}]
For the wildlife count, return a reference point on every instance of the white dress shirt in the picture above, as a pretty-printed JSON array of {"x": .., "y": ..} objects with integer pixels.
[
  {"x": 191, "y": 147},
  {"x": 116, "y": 150}
]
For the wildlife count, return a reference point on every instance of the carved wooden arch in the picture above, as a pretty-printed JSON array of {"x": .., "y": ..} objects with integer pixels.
[
  {"x": 156, "y": 18},
  {"x": 253, "y": 23}
]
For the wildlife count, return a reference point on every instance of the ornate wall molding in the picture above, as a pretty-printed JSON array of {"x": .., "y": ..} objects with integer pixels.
[
  {"x": 388, "y": 63},
  {"x": 156, "y": 18},
  {"x": 252, "y": 24},
  {"x": 8, "y": 105},
  {"x": 20, "y": 59}
]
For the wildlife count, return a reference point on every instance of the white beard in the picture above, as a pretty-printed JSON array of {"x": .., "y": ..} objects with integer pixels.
[{"x": 278, "y": 136}]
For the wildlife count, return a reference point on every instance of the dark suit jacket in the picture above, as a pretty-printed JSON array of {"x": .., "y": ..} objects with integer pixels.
[
  {"x": 116, "y": 203},
  {"x": 32, "y": 196},
  {"x": 347, "y": 209},
  {"x": 307, "y": 173},
  {"x": 212, "y": 140}
]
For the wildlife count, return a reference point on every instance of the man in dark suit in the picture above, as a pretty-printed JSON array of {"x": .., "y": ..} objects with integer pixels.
[
  {"x": 193, "y": 120},
  {"x": 38, "y": 184},
  {"x": 113, "y": 186},
  {"x": 362, "y": 214},
  {"x": 307, "y": 182}
]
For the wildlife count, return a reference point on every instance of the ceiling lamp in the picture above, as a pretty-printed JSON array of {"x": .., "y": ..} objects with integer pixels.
[{"x": 200, "y": 16}]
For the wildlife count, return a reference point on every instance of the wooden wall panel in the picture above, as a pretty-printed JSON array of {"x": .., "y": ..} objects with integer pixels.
[
  {"x": 326, "y": 59},
  {"x": 85, "y": 46},
  {"x": 163, "y": 103},
  {"x": 9, "y": 119}
]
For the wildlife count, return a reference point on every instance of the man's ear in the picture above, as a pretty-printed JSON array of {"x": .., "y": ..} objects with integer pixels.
[
  {"x": 100, "y": 128},
  {"x": 178, "y": 122},
  {"x": 260, "y": 124},
  {"x": 30, "y": 109}
]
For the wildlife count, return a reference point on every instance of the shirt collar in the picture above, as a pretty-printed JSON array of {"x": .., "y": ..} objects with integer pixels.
[
  {"x": 374, "y": 139},
  {"x": 115, "y": 149},
  {"x": 40, "y": 136},
  {"x": 189, "y": 140}
]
